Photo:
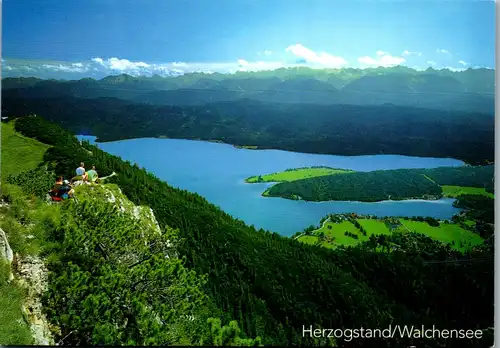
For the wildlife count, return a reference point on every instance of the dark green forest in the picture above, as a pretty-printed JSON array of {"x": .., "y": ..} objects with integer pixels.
[
  {"x": 478, "y": 208},
  {"x": 470, "y": 90},
  {"x": 385, "y": 184},
  {"x": 274, "y": 285},
  {"x": 482, "y": 176},
  {"x": 325, "y": 129}
]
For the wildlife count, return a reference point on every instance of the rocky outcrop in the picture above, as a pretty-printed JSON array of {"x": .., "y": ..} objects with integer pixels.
[
  {"x": 33, "y": 276},
  {"x": 146, "y": 215},
  {"x": 30, "y": 273},
  {"x": 6, "y": 254},
  {"x": 113, "y": 194}
]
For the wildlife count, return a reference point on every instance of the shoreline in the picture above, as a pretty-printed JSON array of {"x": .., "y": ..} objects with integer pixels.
[
  {"x": 409, "y": 200},
  {"x": 258, "y": 148}
]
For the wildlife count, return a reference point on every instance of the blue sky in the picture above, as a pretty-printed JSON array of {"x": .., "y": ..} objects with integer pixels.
[{"x": 159, "y": 36}]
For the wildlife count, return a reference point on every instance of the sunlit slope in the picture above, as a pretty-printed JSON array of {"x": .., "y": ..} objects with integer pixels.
[{"x": 19, "y": 153}]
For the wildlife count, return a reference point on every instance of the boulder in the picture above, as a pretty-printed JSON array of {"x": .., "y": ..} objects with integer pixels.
[{"x": 6, "y": 254}]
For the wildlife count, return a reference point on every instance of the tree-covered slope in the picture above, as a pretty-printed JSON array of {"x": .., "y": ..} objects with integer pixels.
[
  {"x": 384, "y": 184},
  {"x": 275, "y": 285},
  {"x": 482, "y": 176},
  {"x": 367, "y": 187},
  {"x": 326, "y": 129}
]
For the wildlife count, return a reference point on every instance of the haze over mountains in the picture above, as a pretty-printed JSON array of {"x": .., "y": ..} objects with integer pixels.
[{"x": 469, "y": 90}]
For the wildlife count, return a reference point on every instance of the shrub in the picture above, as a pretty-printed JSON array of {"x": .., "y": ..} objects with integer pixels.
[{"x": 35, "y": 182}]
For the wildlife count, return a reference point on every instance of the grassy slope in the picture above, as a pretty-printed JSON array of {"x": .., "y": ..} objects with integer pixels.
[
  {"x": 19, "y": 153},
  {"x": 455, "y": 191},
  {"x": 297, "y": 174},
  {"x": 335, "y": 231},
  {"x": 446, "y": 233},
  {"x": 374, "y": 226},
  {"x": 13, "y": 328}
]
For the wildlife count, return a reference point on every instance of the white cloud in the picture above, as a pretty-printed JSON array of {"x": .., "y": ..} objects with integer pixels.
[
  {"x": 382, "y": 59},
  {"x": 98, "y": 60},
  {"x": 125, "y": 64},
  {"x": 265, "y": 53},
  {"x": 176, "y": 68},
  {"x": 177, "y": 71},
  {"x": 242, "y": 62},
  {"x": 442, "y": 50},
  {"x": 300, "y": 56},
  {"x": 320, "y": 58},
  {"x": 243, "y": 65},
  {"x": 455, "y": 69},
  {"x": 409, "y": 53},
  {"x": 7, "y": 67},
  {"x": 180, "y": 64},
  {"x": 463, "y": 63},
  {"x": 483, "y": 67},
  {"x": 75, "y": 67}
]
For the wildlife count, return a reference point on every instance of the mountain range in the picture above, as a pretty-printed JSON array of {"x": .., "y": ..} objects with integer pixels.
[{"x": 469, "y": 90}]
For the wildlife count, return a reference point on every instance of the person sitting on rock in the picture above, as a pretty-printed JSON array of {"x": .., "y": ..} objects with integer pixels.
[
  {"x": 61, "y": 190},
  {"x": 92, "y": 175},
  {"x": 65, "y": 190},
  {"x": 80, "y": 173},
  {"x": 55, "y": 189},
  {"x": 80, "y": 170}
]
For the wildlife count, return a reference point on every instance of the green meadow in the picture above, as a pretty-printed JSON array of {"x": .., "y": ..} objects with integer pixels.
[
  {"x": 455, "y": 191},
  {"x": 453, "y": 234},
  {"x": 296, "y": 174},
  {"x": 19, "y": 153},
  {"x": 332, "y": 234}
]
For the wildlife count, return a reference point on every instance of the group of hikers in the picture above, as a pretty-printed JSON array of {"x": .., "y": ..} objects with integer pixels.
[{"x": 63, "y": 189}]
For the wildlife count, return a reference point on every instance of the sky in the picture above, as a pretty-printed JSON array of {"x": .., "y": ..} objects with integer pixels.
[{"x": 81, "y": 38}]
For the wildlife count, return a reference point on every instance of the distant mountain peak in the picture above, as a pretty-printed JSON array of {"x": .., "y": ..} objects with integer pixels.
[{"x": 118, "y": 78}]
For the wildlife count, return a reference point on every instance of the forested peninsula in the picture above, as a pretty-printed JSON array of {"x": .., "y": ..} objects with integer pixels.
[{"x": 382, "y": 185}]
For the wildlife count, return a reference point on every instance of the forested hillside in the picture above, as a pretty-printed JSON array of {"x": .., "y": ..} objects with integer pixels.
[
  {"x": 384, "y": 184},
  {"x": 470, "y": 90},
  {"x": 275, "y": 285},
  {"x": 325, "y": 129}
]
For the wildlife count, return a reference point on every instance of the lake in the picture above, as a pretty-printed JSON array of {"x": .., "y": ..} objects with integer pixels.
[{"x": 217, "y": 172}]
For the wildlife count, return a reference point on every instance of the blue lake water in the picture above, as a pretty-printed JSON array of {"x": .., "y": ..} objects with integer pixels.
[{"x": 217, "y": 172}]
